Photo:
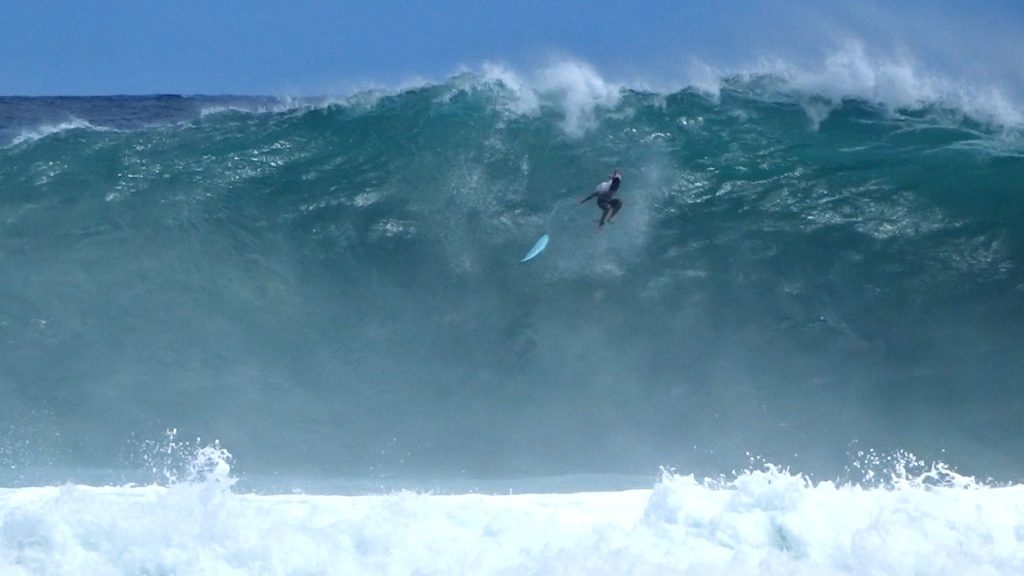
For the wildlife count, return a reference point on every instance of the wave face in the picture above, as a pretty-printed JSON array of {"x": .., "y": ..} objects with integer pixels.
[{"x": 333, "y": 288}]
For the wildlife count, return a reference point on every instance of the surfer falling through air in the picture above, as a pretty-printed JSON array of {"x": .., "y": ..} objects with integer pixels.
[{"x": 606, "y": 200}]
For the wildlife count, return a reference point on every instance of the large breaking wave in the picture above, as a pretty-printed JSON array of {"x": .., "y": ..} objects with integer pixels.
[{"x": 807, "y": 264}]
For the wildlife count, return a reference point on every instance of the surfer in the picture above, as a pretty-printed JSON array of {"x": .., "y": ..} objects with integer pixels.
[{"x": 606, "y": 200}]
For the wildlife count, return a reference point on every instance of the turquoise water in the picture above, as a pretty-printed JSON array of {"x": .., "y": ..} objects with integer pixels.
[{"x": 332, "y": 288}]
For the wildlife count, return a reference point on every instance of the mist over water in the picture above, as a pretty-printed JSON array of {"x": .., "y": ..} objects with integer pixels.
[{"x": 332, "y": 289}]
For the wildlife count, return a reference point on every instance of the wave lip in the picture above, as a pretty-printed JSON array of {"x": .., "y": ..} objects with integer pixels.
[
  {"x": 894, "y": 82},
  {"x": 851, "y": 72},
  {"x": 854, "y": 72},
  {"x": 583, "y": 95},
  {"x": 43, "y": 130}
]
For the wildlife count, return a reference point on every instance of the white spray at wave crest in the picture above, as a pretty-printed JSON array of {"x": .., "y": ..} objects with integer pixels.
[
  {"x": 575, "y": 87},
  {"x": 762, "y": 521},
  {"x": 42, "y": 131},
  {"x": 581, "y": 91},
  {"x": 894, "y": 81}
]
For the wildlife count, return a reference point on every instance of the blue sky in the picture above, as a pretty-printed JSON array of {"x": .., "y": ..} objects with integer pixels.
[{"x": 318, "y": 47}]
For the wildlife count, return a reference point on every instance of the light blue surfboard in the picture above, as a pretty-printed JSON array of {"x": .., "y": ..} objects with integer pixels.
[{"x": 538, "y": 247}]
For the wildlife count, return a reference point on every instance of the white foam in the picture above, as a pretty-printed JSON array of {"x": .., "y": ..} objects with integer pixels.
[
  {"x": 852, "y": 72},
  {"x": 762, "y": 522},
  {"x": 42, "y": 131},
  {"x": 572, "y": 87},
  {"x": 579, "y": 90},
  {"x": 705, "y": 78},
  {"x": 523, "y": 100},
  {"x": 896, "y": 81},
  {"x": 275, "y": 105}
]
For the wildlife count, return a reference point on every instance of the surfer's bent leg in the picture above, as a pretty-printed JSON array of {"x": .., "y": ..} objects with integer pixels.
[
  {"x": 605, "y": 207},
  {"x": 616, "y": 206}
]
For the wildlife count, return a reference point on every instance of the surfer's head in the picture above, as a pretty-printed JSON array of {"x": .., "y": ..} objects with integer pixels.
[{"x": 615, "y": 182}]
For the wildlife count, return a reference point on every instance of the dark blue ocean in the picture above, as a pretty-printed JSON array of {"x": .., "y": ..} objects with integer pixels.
[{"x": 330, "y": 290}]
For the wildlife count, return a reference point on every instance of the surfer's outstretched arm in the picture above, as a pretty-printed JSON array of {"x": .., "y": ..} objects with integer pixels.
[{"x": 592, "y": 195}]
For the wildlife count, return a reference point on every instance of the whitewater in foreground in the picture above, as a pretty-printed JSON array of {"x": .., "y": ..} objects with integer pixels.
[{"x": 765, "y": 521}]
